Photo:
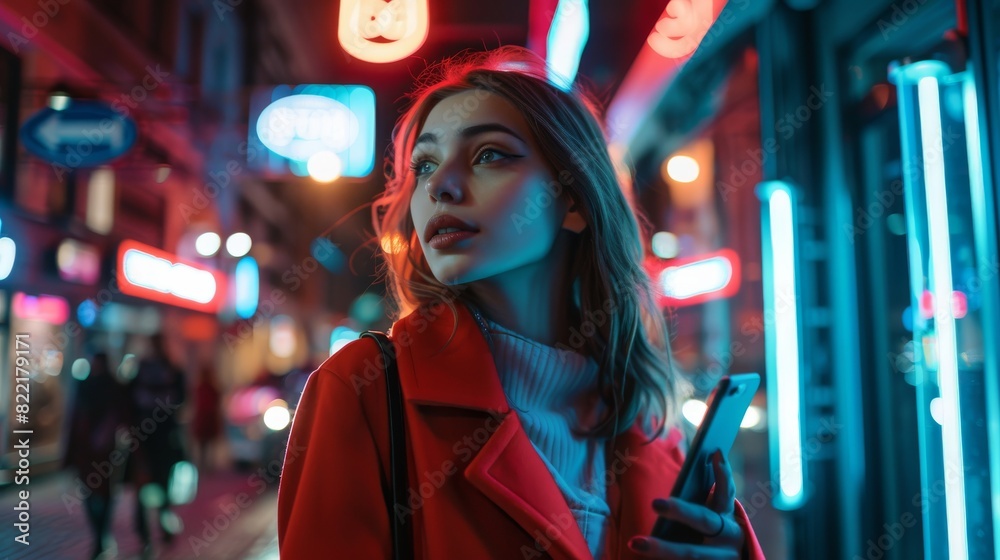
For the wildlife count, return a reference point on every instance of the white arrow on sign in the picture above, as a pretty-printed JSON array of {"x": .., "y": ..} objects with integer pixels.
[{"x": 54, "y": 131}]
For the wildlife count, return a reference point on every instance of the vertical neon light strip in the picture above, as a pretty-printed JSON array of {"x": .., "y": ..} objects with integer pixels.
[
  {"x": 247, "y": 287},
  {"x": 782, "y": 336},
  {"x": 568, "y": 35},
  {"x": 978, "y": 185},
  {"x": 786, "y": 340},
  {"x": 932, "y": 151}
]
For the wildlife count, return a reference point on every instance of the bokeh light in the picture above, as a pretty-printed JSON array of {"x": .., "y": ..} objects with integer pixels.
[
  {"x": 207, "y": 244},
  {"x": 665, "y": 245},
  {"x": 276, "y": 417},
  {"x": 238, "y": 244},
  {"x": 80, "y": 369},
  {"x": 694, "y": 411},
  {"x": 324, "y": 167},
  {"x": 683, "y": 169}
]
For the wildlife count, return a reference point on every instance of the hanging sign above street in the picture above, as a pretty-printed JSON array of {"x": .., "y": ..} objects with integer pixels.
[{"x": 84, "y": 134}]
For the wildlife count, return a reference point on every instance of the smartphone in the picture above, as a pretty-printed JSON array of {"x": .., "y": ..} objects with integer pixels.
[{"x": 717, "y": 431}]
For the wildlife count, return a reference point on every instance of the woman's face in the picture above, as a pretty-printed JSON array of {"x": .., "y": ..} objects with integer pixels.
[{"x": 476, "y": 159}]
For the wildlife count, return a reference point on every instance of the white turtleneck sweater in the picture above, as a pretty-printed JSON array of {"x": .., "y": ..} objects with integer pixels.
[{"x": 552, "y": 389}]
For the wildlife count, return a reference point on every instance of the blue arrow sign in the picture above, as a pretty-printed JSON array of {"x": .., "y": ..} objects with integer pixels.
[{"x": 85, "y": 134}]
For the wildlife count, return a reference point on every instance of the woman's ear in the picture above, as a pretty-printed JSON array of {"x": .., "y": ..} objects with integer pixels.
[{"x": 574, "y": 219}]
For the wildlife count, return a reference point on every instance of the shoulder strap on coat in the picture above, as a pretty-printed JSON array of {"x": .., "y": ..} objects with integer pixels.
[{"x": 402, "y": 536}]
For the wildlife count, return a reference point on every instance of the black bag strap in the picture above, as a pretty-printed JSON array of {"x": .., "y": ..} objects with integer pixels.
[{"x": 402, "y": 538}]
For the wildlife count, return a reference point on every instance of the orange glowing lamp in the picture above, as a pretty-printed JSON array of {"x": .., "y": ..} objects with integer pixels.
[
  {"x": 380, "y": 31},
  {"x": 681, "y": 28}
]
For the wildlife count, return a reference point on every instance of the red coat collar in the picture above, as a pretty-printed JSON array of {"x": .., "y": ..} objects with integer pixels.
[
  {"x": 460, "y": 373},
  {"x": 507, "y": 468}
]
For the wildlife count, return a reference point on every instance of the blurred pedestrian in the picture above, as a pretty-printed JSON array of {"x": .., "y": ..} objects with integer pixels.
[
  {"x": 99, "y": 411},
  {"x": 157, "y": 393},
  {"x": 206, "y": 427}
]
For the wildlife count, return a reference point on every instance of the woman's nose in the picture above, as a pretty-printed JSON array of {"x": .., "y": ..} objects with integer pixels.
[{"x": 445, "y": 184}]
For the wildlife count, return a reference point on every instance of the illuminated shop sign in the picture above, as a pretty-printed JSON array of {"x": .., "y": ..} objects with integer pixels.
[
  {"x": 151, "y": 273},
  {"x": 312, "y": 125},
  {"x": 694, "y": 280}
]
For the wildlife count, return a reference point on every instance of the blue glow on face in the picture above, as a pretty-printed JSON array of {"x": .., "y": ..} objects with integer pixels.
[{"x": 247, "y": 286}]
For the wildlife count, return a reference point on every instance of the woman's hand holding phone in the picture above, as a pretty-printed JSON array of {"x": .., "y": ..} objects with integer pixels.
[{"x": 715, "y": 520}]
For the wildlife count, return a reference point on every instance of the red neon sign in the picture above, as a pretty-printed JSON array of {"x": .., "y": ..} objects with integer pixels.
[
  {"x": 157, "y": 275},
  {"x": 694, "y": 280}
]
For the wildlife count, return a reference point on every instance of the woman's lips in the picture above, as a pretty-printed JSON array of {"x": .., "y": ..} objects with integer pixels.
[{"x": 443, "y": 241}]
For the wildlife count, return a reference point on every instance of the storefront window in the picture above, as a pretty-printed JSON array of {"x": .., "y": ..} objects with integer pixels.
[
  {"x": 37, "y": 332},
  {"x": 920, "y": 208}
]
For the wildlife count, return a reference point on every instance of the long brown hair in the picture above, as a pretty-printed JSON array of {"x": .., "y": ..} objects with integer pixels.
[{"x": 631, "y": 342}]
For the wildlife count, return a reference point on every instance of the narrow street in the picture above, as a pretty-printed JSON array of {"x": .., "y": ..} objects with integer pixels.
[{"x": 233, "y": 516}]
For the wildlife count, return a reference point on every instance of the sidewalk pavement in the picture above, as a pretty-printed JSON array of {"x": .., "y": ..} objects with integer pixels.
[{"x": 233, "y": 516}]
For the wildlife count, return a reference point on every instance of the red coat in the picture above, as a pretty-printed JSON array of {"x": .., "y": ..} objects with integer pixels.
[{"x": 478, "y": 487}]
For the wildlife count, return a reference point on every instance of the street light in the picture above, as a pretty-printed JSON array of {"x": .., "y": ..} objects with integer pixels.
[
  {"x": 238, "y": 244},
  {"x": 207, "y": 243}
]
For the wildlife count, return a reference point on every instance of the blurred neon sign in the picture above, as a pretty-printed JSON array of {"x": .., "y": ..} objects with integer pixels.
[
  {"x": 300, "y": 125},
  {"x": 78, "y": 262},
  {"x": 380, "y": 31},
  {"x": 53, "y": 310},
  {"x": 297, "y": 124},
  {"x": 694, "y": 280},
  {"x": 150, "y": 273}
]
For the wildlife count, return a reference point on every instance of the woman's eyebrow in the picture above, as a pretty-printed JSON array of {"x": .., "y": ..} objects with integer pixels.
[{"x": 469, "y": 132}]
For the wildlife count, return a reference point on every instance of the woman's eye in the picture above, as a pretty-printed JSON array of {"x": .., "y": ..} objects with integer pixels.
[
  {"x": 489, "y": 155},
  {"x": 422, "y": 167}
]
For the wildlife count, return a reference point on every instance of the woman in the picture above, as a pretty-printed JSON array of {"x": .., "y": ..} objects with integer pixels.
[{"x": 536, "y": 373}]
